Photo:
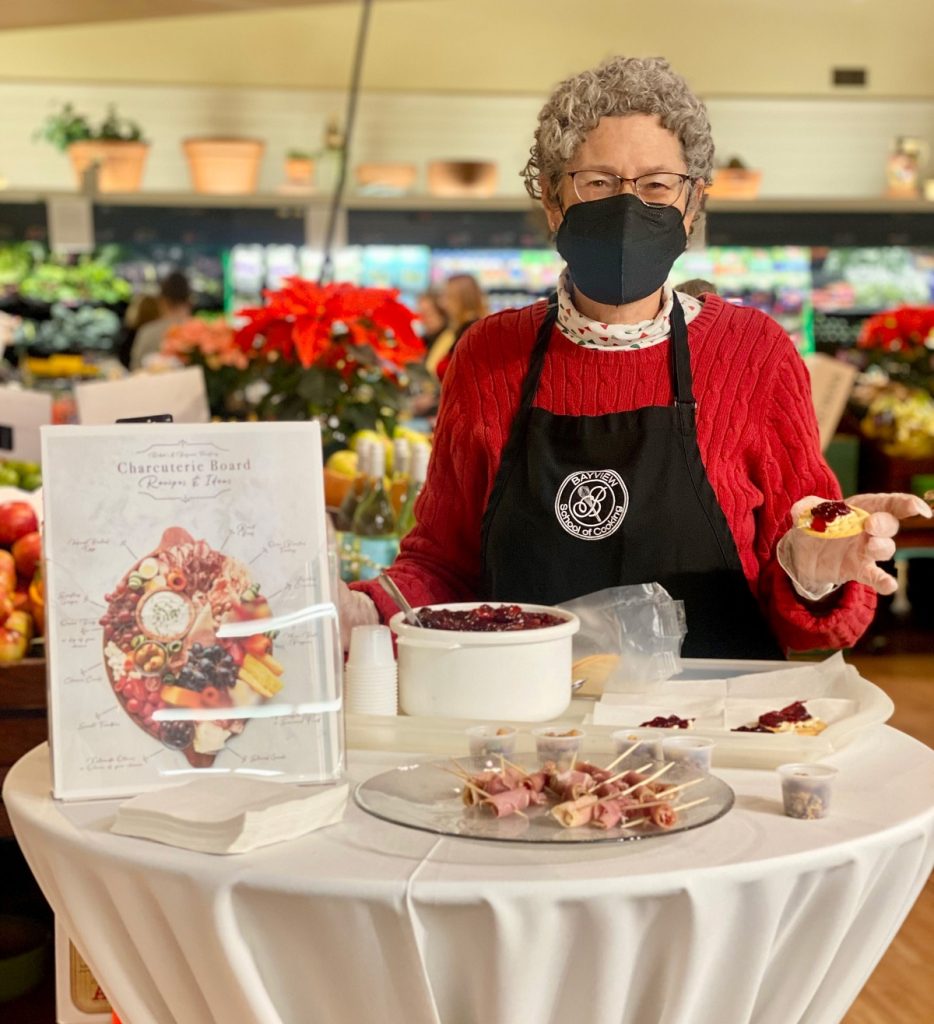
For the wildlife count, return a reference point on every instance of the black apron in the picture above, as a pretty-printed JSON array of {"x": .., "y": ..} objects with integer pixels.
[{"x": 581, "y": 503}]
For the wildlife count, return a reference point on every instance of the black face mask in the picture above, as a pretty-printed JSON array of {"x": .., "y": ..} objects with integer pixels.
[{"x": 619, "y": 250}]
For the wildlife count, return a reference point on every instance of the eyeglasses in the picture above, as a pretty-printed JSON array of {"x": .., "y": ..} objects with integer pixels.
[{"x": 661, "y": 188}]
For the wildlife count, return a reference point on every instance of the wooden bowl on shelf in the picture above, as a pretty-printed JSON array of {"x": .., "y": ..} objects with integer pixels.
[{"x": 462, "y": 179}]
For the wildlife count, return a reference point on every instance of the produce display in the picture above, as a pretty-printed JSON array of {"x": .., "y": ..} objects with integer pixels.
[
  {"x": 84, "y": 329},
  {"x": 22, "y": 597},
  {"x": 27, "y": 476},
  {"x": 487, "y": 619},
  {"x": 87, "y": 280},
  {"x": 832, "y": 519},
  {"x": 162, "y": 652}
]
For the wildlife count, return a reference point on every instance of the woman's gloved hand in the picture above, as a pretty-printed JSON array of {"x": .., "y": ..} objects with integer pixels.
[
  {"x": 818, "y": 565},
  {"x": 353, "y": 609}
]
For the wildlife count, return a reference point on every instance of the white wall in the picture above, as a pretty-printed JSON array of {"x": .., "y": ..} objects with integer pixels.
[
  {"x": 723, "y": 47},
  {"x": 807, "y": 147}
]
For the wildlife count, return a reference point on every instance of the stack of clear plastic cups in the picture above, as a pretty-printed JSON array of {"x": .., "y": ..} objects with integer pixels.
[
  {"x": 693, "y": 751},
  {"x": 370, "y": 675}
]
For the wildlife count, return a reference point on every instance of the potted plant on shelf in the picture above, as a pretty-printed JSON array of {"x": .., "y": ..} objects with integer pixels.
[
  {"x": 116, "y": 146},
  {"x": 735, "y": 181},
  {"x": 224, "y": 166},
  {"x": 299, "y": 168}
]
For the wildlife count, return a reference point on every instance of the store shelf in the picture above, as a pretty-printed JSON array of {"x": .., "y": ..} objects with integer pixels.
[
  {"x": 511, "y": 204},
  {"x": 821, "y": 205},
  {"x": 497, "y": 222},
  {"x": 279, "y": 200}
]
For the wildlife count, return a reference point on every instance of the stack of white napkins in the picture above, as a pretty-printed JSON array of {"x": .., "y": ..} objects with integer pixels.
[{"x": 230, "y": 813}]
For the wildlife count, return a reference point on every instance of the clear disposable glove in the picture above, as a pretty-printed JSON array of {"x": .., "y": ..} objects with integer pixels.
[
  {"x": 818, "y": 565},
  {"x": 354, "y": 609}
]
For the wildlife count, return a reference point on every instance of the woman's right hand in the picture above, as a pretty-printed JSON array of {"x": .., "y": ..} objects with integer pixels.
[{"x": 354, "y": 608}]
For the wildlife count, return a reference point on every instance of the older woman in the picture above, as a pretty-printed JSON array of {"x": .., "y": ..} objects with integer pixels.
[{"x": 625, "y": 433}]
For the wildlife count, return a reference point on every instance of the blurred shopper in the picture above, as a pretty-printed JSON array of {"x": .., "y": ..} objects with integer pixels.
[
  {"x": 174, "y": 308},
  {"x": 461, "y": 303},
  {"x": 464, "y": 303},
  {"x": 696, "y": 287},
  {"x": 433, "y": 318},
  {"x": 144, "y": 309},
  {"x": 625, "y": 434}
]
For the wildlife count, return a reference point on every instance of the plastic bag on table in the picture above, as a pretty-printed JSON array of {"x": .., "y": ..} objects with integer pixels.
[{"x": 629, "y": 638}]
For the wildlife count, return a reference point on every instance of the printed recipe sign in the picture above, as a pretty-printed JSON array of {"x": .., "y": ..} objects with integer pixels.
[{"x": 156, "y": 538}]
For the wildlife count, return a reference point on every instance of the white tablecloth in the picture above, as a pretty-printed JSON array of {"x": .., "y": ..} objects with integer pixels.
[{"x": 754, "y": 918}]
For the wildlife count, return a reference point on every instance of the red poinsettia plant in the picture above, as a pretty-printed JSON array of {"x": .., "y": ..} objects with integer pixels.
[
  {"x": 901, "y": 342},
  {"x": 905, "y": 331},
  {"x": 337, "y": 352}
]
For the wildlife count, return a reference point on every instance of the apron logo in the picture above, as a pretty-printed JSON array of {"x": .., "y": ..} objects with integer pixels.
[{"x": 592, "y": 505}]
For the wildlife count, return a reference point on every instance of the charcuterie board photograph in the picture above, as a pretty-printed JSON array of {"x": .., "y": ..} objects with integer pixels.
[{"x": 167, "y": 537}]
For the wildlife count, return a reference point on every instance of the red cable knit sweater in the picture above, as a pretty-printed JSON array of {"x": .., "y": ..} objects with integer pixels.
[{"x": 756, "y": 430}]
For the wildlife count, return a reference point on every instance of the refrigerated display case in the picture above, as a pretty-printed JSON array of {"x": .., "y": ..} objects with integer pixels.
[{"x": 775, "y": 279}]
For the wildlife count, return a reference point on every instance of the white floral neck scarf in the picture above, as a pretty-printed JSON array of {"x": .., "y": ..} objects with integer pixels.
[{"x": 593, "y": 334}]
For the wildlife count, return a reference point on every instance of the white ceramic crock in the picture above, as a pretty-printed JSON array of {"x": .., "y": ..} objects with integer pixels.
[{"x": 521, "y": 675}]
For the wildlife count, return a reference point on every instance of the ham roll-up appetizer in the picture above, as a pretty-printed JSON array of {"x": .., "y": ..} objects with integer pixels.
[{"x": 574, "y": 813}]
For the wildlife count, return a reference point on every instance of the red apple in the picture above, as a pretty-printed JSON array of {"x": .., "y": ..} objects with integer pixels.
[
  {"x": 7, "y": 572},
  {"x": 17, "y": 518},
  {"x": 27, "y": 553},
  {"x": 15, "y": 635}
]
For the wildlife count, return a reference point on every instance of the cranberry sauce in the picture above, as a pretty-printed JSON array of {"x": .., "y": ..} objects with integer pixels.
[
  {"x": 671, "y": 722},
  {"x": 826, "y": 512},
  {"x": 487, "y": 618},
  {"x": 771, "y": 721}
]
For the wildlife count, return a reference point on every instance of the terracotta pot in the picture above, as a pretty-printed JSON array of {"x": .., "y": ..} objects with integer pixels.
[
  {"x": 299, "y": 170},
  {"x": 224, "y": 166},
  {"x": 735, "y": 183},
  {"x": 462, "y": 178},
  {"x": 385, "y": 178},
  {"x": 120, "y": 164}
]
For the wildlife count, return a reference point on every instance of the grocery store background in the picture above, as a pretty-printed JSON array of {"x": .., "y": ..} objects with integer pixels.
[{"x": 813, "y": 95}]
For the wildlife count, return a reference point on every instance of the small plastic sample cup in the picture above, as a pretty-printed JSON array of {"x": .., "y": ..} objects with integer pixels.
[
  {"x": 691, "y": 751},
  {"x": 558, "y": 743},
  {"x": 806, "y": 789},
  {"x": 650, "y": 742},
  {"x": 492, "y": 740},
  {"x": 370, "y": 646}
]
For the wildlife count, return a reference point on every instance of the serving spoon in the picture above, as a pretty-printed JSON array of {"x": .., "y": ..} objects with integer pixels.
[{"x": 411, "y": 616}]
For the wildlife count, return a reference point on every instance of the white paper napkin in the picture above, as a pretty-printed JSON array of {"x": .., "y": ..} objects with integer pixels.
[{"x": 230, "y": 813}]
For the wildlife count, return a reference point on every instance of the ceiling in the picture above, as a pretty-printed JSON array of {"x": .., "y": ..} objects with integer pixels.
[{"x": 46, "y": 13}]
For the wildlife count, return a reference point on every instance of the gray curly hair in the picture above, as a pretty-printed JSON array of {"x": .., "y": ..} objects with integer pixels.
[{"x": 618, "y": 86}]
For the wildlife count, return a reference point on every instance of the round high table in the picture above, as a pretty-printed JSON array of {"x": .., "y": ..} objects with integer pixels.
[{"x": 754, "y": 918}]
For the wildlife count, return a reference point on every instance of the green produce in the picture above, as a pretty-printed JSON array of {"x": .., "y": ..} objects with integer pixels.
[
  {"x": 16, "y": 261},
  {"x": 25, "y": 475},
  {"x": 88, "y": 328},
  {"x": 88, "y": 280}
]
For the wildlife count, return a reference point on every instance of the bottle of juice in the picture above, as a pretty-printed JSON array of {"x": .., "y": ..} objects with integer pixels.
[
  {"x": 400, "y": 473},
  {"x": 374, "y": 522},
  {"x": 420, "y": 454}
]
